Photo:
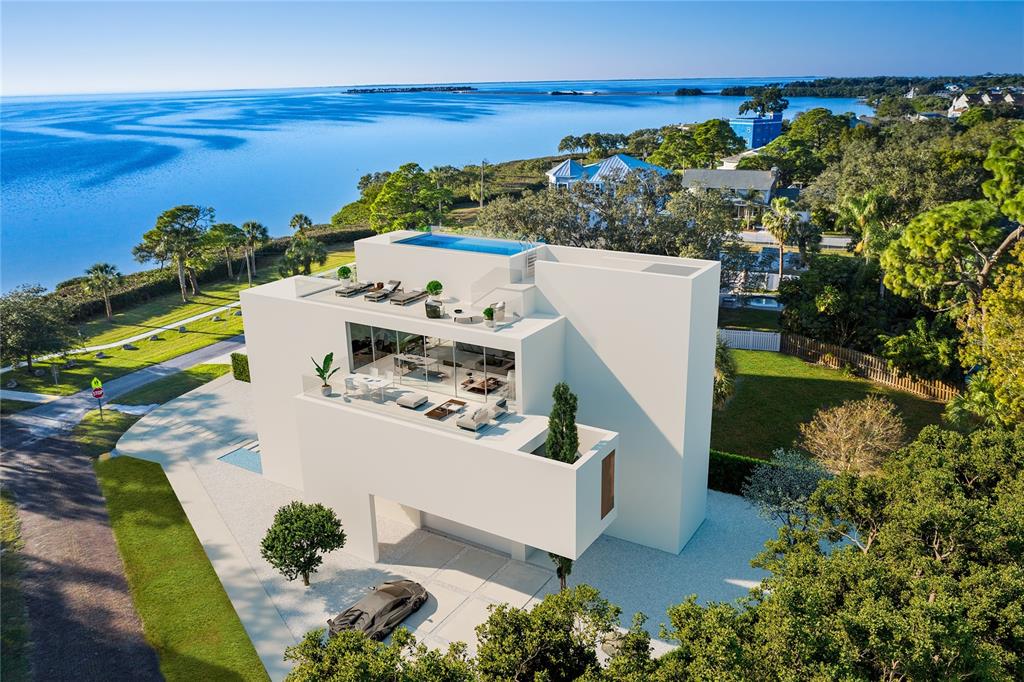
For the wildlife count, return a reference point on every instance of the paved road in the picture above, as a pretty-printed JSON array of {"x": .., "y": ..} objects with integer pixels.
[
  {"x": 61, "y": 415},
  {"x": 83, "y": 624},
  {"x": 827, "y": 241}
]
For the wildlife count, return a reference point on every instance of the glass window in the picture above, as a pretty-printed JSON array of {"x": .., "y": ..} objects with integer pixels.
[
  {"x": 410, "y": 364},
  {"x": 360, "y": 346},
  {"x": 470, "y": 371},
  {"x": 385, "y": 345},
  {"x": 441, "y": 367}
]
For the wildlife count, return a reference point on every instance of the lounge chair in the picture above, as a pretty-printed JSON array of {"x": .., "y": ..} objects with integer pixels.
[
  {"x": 407, "y": 297},
  {"x": 499, "y": 408},
  {"x": 353, "y": 289},
  {"x": 412, "y": 400},
  {"x": 383, "y": 293},
  {"x": 476, "y": 420}
]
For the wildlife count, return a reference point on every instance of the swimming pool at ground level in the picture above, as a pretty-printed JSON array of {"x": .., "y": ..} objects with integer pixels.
[
  {"x": 244, "y": 458},
  {"x": 498, "y": 247}
]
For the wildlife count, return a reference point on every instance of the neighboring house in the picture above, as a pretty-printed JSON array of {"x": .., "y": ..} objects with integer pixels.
[
  {"x": 757, "y": 131},
  {"x": 731, "y": 162},
  {"x": 911, "y": 94},
  {"x": 633, "y": 336},
  {"x": 615, "y": 167},
  {"x": 749, "y": 190},
  {"x": 962, "y": 103},
  {"x": 926, "y": 116}
]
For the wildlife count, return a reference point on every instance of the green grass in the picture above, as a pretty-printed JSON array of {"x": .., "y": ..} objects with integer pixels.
[
  {"x": 776, "y": 393},
  {"x": 186, "y": 615},
  {"x": 749, "y": 318},
  {"x": 98, "y": 435},
  {"x": 149, "y": 317},
  {"x": 166, "y": 345},
  {"x": 168, "y": 388},
  {"x": 168, "y": 308},
  {"x": 12, "y": 406},
  {"x": 14, "y": 664}
]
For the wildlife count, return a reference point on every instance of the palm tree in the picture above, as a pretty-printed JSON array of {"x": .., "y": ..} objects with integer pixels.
[
  {"x": 563, "y": 568},
  {"x": 254, "y": 235},
  {"x": 224, "y": 238},
  {"x": 102, "y": 277},
  {"x": 300, "y": 222},
  {"x": 863, "y": 215},
  {"x": 303, "y": 252},
  {"x": 779, "y": 220}
]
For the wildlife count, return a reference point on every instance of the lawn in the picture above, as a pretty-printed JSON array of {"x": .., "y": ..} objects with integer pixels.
[
  {"x": 13, "y": 406},
  {"x": 776, "y": 393},
  {"x": 164, "y": 346},
  {"x": 97, "y": 435},
  {"x": 14, "y": 665},
  {"x": 150, "y": 317},
  {"x": 168, "y": 388},
  {"x": 749, "y": 318},
  {"x": 186, "y": 615}
]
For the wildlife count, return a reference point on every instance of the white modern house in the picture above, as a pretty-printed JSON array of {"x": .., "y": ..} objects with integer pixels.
[
  {"x": 615, "y": 167},
  {"x": 438, "y": 417}
]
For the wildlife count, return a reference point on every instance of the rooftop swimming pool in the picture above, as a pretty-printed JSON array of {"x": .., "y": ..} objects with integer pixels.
[{"x": 499, "y": 247}]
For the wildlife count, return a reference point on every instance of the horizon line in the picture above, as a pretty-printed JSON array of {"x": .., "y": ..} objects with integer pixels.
[{"x": 468, "y": 82}]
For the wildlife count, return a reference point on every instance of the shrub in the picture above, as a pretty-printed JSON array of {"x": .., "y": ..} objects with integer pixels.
[
  {"x": 434, "y": 288},
  {"x": 240, "y": 366},
  {"x": 727, "y": 472},
  {"x": 344, "y": 272},
  {"x": 855, "y": 436}
]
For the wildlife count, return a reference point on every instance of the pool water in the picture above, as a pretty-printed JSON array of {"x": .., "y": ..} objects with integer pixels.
[
  {"x": 763, "y": 302},
  {"x": 498, "y": 247},
  {"x": 244, "y": 458}
]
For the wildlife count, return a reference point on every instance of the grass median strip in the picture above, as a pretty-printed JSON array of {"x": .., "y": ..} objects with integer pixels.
[{"x": 169, "y": 388}]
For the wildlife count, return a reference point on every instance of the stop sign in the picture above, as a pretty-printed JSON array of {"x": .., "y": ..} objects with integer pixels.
[{"x": 97, "y": 393}]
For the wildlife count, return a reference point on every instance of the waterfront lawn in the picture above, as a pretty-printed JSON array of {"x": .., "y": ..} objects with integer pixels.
[
  {"x": 168, "y": 309},
  {"x": 776, "y": 393},
  {"x": 13, "y": 406},
  {"x": 164, "y": 346},
  {"x": 186, "y": 614},
  {"x": 749, "y": 318},
  {"x": 169, "y": 388}
]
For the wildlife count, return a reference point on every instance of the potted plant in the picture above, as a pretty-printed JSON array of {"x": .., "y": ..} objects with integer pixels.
[
  {"x": 489, "y": 316},
  {"x": 344, "y": 273},
  {"x": 434, "y": 288},
  {"x": 325, "y": 372}
]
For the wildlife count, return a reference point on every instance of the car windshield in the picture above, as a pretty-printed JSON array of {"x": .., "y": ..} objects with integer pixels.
[{"x": 394, "y": 590}]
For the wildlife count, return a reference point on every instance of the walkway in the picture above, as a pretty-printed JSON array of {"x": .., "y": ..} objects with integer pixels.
[
  {"x": 61, "y": 415},
  {"x": 83, "y": 624}
]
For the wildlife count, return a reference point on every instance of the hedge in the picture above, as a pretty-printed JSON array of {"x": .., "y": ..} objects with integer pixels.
[
  {"x": 728, "y": 471},
  {"x": 139, "y": 287},
  {"x": 240, "y": 367}
]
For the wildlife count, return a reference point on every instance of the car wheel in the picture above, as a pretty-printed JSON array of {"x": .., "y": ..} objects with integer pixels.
[
  {"x": 417, "y": 603},
  {"x": 378, "y": 636}
]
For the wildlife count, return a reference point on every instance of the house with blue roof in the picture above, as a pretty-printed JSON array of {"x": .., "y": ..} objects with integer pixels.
[
  {"x": 757, "y": 131},
  {"x": 614, "y": 167}
]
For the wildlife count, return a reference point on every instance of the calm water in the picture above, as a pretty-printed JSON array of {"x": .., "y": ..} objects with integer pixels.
[{"x": 83, "y": 177}]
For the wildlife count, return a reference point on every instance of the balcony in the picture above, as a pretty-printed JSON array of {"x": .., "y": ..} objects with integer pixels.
[{"x": 489, "y": 479}]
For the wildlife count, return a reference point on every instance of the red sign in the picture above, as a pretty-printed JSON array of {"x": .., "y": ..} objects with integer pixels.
[{"x": 97, "y": 393}]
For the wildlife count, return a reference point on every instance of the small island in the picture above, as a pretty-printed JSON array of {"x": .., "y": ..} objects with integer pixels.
[
  {"x": 689, "y": 92},
  {"x": 412, "y": 88}
]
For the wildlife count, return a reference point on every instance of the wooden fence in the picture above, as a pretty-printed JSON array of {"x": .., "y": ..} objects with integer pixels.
[
  {"x": 868, "y": 366},
  {"x": 748, "y": 339}
]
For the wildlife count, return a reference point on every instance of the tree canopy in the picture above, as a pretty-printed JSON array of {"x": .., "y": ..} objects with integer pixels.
[
  {"x": 699, "y": 146},
  {"x": 768, "y": 100},
  {"x": 32, "y": 323},
  {"x": 409, "y": 200}
]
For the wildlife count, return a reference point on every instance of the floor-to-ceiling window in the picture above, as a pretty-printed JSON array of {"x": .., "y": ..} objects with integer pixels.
[{"x": 451, "y": 367}]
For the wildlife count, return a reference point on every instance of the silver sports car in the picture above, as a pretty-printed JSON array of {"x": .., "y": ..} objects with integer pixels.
[{"x": 379, "y": 612}]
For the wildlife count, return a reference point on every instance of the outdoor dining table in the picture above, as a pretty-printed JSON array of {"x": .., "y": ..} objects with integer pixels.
[{"x": 373, "y": 383}]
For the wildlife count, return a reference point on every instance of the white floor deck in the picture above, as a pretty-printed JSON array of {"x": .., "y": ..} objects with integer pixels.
[{"x": 231, "y": 508}]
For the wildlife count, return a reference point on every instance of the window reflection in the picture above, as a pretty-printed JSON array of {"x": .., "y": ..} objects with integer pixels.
[{"x": 463, "y": 370}]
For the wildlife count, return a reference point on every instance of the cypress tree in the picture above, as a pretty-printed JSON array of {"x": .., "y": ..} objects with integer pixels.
[{"x": 563, "y": 440}]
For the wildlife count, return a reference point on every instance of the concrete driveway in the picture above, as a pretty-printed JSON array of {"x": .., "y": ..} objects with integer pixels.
[{"x": 231, "y": 508}]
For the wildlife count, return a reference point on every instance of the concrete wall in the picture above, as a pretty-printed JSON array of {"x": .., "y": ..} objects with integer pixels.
[
  {"x": 633, "y": 341},
  {"x": 351, "y": 456}
]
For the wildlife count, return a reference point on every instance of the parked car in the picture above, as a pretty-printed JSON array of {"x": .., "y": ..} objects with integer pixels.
[{"x": 380, "y": 612}]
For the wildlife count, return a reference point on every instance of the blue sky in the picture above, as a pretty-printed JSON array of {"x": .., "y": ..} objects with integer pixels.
[{"x": 51, "y": 47}]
